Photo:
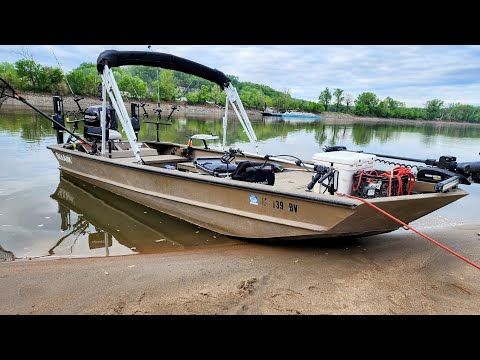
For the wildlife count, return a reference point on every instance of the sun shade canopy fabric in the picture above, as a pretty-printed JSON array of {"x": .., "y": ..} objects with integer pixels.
[{"x": 114, "y": 58}]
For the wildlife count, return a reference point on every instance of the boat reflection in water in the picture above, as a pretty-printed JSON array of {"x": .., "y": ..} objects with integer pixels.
[{"x": 96, "y": 222}]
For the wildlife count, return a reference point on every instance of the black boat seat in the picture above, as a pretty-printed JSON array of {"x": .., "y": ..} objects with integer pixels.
[
  {"x": 214, "y": 166},
  {"x": 245, "y": 170}
]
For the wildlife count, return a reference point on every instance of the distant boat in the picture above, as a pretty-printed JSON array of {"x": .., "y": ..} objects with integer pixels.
[{"x": 291, "y": 114}]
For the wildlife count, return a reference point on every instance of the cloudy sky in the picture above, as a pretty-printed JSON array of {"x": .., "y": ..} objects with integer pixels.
[{"x": 413, "y": 74}]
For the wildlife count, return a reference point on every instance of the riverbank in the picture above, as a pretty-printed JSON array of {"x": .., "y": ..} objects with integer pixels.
[
  {"x": 44, "y": 102},
  {"x": 396, "y": 273},
  {"x": 341, "y": 118}
]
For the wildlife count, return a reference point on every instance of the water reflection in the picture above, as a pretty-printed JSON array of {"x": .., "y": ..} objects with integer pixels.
[
  {"x": 31, "y": 127},
  {"x": 95, "y": 222}
]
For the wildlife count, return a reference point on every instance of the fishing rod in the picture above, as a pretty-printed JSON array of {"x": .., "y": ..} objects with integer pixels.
[
  {"x": 75, "y": 97},
  {"x": 6, "y": 91},
  {"x": 142, "y": 104}
]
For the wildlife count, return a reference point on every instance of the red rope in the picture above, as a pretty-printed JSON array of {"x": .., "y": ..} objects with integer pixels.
[{"x": 411, "y": 228}]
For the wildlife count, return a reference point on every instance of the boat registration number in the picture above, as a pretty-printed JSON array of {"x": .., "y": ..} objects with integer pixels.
[{"x": 276, "y": 204}]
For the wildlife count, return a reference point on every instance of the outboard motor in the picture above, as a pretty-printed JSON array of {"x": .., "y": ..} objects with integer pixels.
[
  {"x": 58, "y": 117},
  {"x": 134, "y": 111},
  {"x": 93, "y": 125}
]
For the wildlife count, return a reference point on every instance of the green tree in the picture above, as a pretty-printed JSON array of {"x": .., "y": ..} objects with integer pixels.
[
  {"x": 84, "y": 79},
  {"x": 8, "y": 72},
  {"x": 433, "y": 108},
  {"x": 192, "y": 97},
  {"x": 132, "y": 85},
  {"x": 30, "y": 72},
  {"x": 168, "y": 86},
  {"x": 325, "y": 97},
  {"x": 283, "y": 100},
  {"x": 338, "y": 94},
  {"x": 146, "y": 73},
  {"x": 6, "y": 67},
  {"x": 393, "y": 104},
  {"x": 216, "y": 95},
  {"x": 366, "y": 104}
]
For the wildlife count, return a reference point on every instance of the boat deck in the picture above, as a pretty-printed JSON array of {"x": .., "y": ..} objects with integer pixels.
[
  {"x": 287, "y": 180},
  {"x": 292, "y": 180}
]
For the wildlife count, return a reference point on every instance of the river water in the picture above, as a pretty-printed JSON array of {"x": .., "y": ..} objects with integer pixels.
[{"x": 44, "y": 214}]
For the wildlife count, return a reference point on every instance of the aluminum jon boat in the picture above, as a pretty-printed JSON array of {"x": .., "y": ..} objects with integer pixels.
[{"x": 242, "y": 194}]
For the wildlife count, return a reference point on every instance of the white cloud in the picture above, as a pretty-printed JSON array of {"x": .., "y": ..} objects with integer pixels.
[{"x": 413, "y": 74}]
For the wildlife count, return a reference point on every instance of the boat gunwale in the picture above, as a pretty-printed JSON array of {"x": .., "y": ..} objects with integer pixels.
[
  {"x": 350, "y": 203},
  {"x": 205, "y": 179}
]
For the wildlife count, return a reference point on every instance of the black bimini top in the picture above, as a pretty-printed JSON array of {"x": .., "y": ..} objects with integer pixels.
[{"x": 114, "y": 58}]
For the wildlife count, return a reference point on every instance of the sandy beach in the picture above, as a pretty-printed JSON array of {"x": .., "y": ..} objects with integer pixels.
[{"x": 397, "y": 273}]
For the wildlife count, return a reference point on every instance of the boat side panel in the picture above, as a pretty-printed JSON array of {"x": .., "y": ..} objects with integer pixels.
[{"x": 225, "y": 209}]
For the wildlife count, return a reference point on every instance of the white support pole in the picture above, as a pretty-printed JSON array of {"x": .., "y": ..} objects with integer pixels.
[
  {"x": 243, "y": 112},
  {"x": 225, "y": 123},
  {"x": 235, "y": 101},
  {"x": 119, "y": 106},
  {"x": 103, "y": 116}
]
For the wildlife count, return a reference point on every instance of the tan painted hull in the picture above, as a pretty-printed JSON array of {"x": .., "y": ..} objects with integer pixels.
[{"x": 225, "y": 206}]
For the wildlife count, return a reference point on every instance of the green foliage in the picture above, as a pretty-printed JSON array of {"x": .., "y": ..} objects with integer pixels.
[
  {"x": 217, "y": 96},
  {"x": 366, "y": 104},
  {"x": 6, "y": 67},
  {"x": 361, "y": 109},
  {"x": 168, "y": 86},
  {"x": 146, "y": 73},
  {"x": 338, "y": 94},
  {"x": 27, "y": 74},
  {"x": 135, "y": 86},
  {"x": 84, "y": 80},
  {"x": 193, "y": 97},
  {"x": 433, "y": 108},
  {"x": 459, "y": 112},
  {"x": 325, "y": 97}
]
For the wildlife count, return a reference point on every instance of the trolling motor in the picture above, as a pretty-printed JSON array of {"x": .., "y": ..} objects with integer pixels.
[{"x": 58, "y": 118}]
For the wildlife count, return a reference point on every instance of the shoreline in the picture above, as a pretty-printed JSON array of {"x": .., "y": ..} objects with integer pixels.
[
  {"x": 395, "y": 273},
  {"x": 44, "y": 102}
]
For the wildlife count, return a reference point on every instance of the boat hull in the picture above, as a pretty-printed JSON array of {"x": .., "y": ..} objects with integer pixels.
[{"x": 242, "y": 209}]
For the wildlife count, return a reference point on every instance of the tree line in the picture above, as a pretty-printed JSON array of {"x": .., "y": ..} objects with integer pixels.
[
  {"x": 368, "y": 104},
  {"x": 156, "y": 85}
]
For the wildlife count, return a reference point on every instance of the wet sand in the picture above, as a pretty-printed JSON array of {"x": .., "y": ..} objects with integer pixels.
[{"x": 397, "y": 273}]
